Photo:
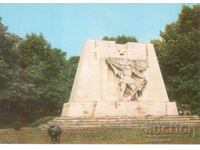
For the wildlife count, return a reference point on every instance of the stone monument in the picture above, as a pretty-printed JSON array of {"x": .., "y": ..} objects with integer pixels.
[{"x": 118, "y": 80}]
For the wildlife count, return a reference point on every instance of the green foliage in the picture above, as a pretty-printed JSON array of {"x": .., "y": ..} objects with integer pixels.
[
  {"x": 35, "y": 78},
  {"x": 41, "y": 121},
  {"x": 72, "y": 65},
  {"x": 179, "y": 56},
  {"x": 122, "y": 39}
]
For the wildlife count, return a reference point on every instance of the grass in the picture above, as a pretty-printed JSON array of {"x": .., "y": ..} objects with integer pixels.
[{"x": 35, "y": 135}]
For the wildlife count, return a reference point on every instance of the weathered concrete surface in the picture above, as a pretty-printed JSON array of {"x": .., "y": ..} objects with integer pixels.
[
  {"x": 96, "y": 89},
  {"x": 175, "y": 122}
]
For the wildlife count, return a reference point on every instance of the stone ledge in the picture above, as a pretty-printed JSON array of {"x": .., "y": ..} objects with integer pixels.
[
  {"x": 123, "y": 122},
  {"x": 112, "y": 108}
]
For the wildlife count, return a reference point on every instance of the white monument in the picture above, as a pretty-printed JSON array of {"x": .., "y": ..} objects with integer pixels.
[{"x": 118, "y": 80}]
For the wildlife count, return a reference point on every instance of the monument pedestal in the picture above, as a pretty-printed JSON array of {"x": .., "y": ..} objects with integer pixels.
[
  {"x": 124, "y": 122},
  {"x": 134, "y": 108},
  {"x": 121, "y": 109}
]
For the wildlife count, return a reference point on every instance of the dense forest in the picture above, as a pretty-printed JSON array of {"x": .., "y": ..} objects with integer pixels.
[{"x": 36, "y": 79}]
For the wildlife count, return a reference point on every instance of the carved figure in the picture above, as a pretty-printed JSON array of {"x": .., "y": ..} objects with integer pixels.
[{"x": 130, "y": 74}]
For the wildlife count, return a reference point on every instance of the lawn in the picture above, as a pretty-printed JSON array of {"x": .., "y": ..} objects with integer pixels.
[{"x": 97, "y": 136}]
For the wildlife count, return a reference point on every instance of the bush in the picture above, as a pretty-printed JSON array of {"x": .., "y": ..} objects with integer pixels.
[
  {"x": 17, "y": 126},
  {"x": 41, "y": 121}
]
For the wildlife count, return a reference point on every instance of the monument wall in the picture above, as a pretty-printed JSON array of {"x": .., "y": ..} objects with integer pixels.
[{"x": 97, "y": 88}]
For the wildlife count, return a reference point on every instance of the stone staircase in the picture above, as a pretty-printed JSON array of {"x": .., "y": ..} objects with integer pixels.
[{"x": 123, "y": 122}]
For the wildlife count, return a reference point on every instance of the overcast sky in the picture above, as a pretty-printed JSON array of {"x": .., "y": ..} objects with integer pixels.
[{"x": 68, "y": 26}]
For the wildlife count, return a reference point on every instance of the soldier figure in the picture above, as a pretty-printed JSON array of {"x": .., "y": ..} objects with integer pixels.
[
  {"x": 127, "y": 80},
  {"x": 130, "y": 75}
]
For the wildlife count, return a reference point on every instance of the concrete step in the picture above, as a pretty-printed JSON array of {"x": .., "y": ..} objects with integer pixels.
[
  {"x": 101, "y": 126},
  {"x": 118, "y": 125},
  {"x": 146, "y": 117},
  {"x": 126, "y": 122},
  {"x": 74, "y": 120},
  {"x": 123, "y": 120},
  {"x": 132, "y": 118},
  {"x": 140, "y": 122},
  {"x": 66, "y": 126}
]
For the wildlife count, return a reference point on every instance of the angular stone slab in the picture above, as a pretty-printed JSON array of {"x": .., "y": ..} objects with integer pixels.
[{"x": 96, "y": 90}]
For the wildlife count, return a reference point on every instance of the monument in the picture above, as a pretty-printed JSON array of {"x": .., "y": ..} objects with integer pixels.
[{"x": 118, "y": 80}]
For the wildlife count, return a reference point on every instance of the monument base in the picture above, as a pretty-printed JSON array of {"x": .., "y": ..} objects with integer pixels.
[
  {"x": 142, "y": 122},
  {"x": 114, "y": 108}
]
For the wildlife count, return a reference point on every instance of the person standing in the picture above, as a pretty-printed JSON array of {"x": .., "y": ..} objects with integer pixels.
[{"x": 54, "y": 132}]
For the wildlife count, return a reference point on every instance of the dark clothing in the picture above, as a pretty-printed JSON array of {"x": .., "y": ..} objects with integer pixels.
[{"x": 54, "y": 132}]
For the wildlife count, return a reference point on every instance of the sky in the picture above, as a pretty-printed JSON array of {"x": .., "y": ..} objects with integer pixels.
[{"x": 68, "y": 26}]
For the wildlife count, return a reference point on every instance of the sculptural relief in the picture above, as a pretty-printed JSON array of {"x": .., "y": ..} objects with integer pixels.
[{"x": 129, "y": 72}]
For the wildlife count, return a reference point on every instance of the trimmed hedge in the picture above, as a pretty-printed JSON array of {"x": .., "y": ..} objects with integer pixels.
[{"x": 41, "y": 121}]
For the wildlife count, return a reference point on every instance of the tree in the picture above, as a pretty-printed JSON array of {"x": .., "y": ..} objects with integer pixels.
[
  {"x": 33, "y": 76},
  {"x": 8, "y": 58},
  {"x": 179, "y": 57},
  {"x": 8, "y": 70},
  {"x": 72, "y": 64},
  {"x": 42, "y": 78},
  {"x": 121, "y": 39}
]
